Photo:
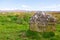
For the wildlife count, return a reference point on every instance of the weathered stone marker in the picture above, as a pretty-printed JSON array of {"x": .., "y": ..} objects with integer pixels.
[{"x": 42, "y": 22}]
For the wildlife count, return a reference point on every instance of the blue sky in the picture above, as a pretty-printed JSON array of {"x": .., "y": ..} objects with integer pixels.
[{"x": 42, "y": 5}]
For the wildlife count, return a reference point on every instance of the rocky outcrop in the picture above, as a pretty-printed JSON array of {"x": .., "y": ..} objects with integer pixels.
[{"x": 42, "y": 22}]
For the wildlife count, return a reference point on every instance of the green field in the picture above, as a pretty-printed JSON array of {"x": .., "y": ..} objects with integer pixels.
[{"x": 16, "y": 27}]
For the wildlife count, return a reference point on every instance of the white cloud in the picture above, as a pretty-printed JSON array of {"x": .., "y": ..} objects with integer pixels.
[
  {"x": 50, "y": 8},
  {"x": 25, "y": 6},
  {"x": 8, "y": 8},
  {"x": 41, "y": 8}
]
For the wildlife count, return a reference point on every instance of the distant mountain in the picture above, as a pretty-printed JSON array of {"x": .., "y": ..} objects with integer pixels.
[
  {"x": 14, "y": 11},
  {"x": 24, "y": 11}
]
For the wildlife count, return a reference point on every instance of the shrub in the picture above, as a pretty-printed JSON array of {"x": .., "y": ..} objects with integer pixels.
[
  {"x": 53, "y": 38},
  {"x": 48, "y": 34},
  {"x": 32, "y": 34}
]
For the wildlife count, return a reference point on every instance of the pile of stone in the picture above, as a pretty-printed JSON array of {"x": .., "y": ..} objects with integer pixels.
[{"x": 42, "y": 22}]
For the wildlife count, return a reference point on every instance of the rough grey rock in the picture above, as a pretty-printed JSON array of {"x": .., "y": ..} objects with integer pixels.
[{"x": 42, "y": 22}]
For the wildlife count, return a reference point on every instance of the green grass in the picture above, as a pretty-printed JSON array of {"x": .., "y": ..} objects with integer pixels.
[
  {"x": 17, "y": 28},
  {"x": 10, "y": 31}
]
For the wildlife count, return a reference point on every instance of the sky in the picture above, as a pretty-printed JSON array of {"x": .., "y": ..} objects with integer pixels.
[{"x": 41, "y": 5}]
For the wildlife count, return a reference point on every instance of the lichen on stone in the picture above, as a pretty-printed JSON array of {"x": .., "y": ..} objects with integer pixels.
[{"x": 42, "y": 22}]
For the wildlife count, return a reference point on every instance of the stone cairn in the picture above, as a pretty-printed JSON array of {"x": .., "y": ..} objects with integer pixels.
[{"x": 42, "y": 22}]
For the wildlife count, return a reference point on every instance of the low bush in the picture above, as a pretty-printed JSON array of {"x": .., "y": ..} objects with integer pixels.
[
  {"x": 32, "y": 34},
  {"x": 48, "y": 34}
]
